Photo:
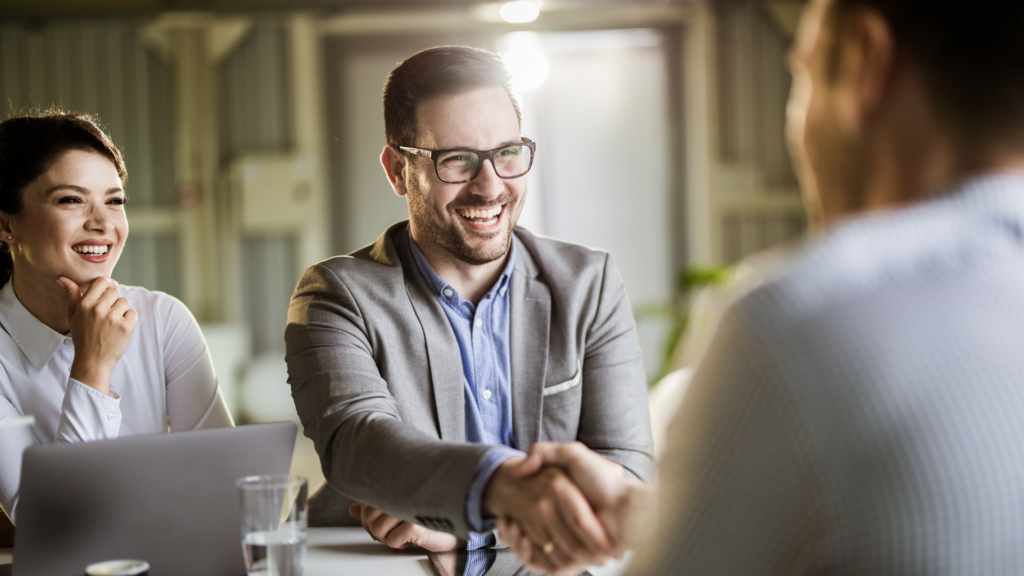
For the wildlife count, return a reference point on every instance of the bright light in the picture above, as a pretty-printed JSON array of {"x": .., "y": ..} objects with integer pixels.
[
  {"x": 527, "y": 66},
  {"x": 519, "y": 12}
]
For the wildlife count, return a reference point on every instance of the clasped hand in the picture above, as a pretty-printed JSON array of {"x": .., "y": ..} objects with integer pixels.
[
  {"x": 562, "y": 509},
  {"x": 101, "y": 325},
  {"x": 614, "y": 500}
]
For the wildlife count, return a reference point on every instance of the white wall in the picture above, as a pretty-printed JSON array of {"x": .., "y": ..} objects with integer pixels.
[
  {"x": 371, "y": 204},
  {"x": 602, "y": 173}
]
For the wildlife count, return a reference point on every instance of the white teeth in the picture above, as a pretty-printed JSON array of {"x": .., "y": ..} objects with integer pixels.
[
  {"x": 92, "y": 250},
  {"x": 486, "y": 214}
]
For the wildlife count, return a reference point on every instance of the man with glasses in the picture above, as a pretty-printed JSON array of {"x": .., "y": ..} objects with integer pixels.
[{"x": 423, "y": 365}]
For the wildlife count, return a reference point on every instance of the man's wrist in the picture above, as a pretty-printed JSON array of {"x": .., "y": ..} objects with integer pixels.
[
  {"x": 476, "y": 517},
  {"x": 495, "y": 494}
]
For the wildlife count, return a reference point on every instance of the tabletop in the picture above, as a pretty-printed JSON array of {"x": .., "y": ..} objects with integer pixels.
[{"x": 352, "y": 549}]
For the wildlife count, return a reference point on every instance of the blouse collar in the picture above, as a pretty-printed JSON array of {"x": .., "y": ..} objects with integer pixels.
[{"x": 37, "y": 341}]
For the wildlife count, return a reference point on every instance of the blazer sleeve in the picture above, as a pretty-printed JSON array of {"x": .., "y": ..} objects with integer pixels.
[
  {"x": 615, "y": 420},
  {"x": 366, "y": 451}
]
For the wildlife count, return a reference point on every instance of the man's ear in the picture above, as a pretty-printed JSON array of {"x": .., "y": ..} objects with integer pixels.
[
  {"x": 867, "y": 64},
  {"x": 394, "y": 163}
]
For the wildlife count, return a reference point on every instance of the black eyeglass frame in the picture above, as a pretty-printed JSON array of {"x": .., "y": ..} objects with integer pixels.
[{"x": 484, "y": 156}]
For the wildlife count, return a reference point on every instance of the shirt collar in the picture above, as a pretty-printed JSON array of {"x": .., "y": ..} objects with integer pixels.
[
  {"x": 439, "y": 287},
  {"x": 37, "y": 341}
]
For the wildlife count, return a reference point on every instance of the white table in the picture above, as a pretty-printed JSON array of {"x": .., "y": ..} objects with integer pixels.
[
  {"x": 330, "y": 549},
  {"x": 334, "y": 551}
]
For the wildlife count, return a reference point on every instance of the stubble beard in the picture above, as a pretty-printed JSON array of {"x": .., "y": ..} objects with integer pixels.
[{"x": 443, "y": 231}]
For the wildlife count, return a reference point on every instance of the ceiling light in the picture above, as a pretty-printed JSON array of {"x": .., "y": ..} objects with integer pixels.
[
  {"x": 519, "y": 12},
  {"x": 527, "y": 66}
]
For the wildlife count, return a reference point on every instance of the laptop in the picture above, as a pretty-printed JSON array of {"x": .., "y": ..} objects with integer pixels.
[{"x": 168, "y": 499}]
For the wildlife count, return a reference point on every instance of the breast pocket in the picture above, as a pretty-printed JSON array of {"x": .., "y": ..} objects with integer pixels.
[{"x": 562, "y": 402}]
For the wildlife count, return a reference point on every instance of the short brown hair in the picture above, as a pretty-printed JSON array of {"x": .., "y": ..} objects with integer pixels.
[
  {"x": 436, "y": 72},
  {"x": 971, "y": 54}
]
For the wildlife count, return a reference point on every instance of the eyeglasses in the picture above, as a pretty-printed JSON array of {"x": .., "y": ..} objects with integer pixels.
[{"x": 460, "y": 165}]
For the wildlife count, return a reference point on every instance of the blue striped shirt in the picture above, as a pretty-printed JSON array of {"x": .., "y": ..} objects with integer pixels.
[{"x": 483, "y": 335}]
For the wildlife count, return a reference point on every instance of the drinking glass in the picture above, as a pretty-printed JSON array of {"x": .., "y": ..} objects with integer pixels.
[{"x": 273, "y": 514}]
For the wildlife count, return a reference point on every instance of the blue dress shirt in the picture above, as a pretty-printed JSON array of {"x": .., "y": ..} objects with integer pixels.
[{"x": 483, "y": 335}]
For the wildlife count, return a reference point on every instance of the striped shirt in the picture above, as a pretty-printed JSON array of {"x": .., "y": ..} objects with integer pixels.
[{"x": 862, "y": 412}]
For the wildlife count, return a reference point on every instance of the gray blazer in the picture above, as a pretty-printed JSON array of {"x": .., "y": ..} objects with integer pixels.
[{"x": 377, "y": 380}]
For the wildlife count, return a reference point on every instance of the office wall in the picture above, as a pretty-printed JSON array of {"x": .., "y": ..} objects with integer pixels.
[
  {"x": 603, "y": 177},
  {"x": 758, "y": 200},
  {"x": 253, "y": 91},
  {"x": 364, "y": 203},
  {"x": 254, "y": 100}
]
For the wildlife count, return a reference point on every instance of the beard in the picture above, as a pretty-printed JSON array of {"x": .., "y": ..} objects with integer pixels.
[{"x": 442, "y": 228}]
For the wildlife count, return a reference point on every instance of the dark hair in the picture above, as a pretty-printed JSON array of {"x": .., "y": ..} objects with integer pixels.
[
  {"x": 31, "y": 143},
  {"x": 436, "y": 72},
  {"x": 971, "y": 55}
]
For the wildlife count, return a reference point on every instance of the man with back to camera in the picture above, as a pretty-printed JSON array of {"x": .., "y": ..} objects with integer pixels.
[
  {"x": 861, "y": 413},
  {"x": 419, "y": 364}
]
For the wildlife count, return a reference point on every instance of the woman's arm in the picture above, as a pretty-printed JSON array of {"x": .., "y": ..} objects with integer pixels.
[
  {"x": 193, "y": 396},
  {"x": 13, "y": 443},
  {"x": 101, "y": 324}
]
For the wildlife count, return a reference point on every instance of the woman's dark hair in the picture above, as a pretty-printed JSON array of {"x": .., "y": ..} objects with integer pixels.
[{"x": 29, "y": 146}]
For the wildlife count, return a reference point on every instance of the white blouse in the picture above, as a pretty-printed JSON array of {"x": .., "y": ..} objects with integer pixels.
[{"x": 163, "y": 383}]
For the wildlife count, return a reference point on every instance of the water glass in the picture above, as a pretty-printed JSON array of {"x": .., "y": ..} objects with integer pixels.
[{"x": 273, "y": 514}]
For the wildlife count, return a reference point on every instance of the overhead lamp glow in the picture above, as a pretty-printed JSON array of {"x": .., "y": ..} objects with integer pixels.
[
  {"x": 519, "y": 12},
  {"x": 528, "y": 67}
]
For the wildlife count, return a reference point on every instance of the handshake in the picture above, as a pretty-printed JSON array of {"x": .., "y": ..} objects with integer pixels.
[
  {"x": 581, "y": 511},
  {"x": 561, "y": 509}
]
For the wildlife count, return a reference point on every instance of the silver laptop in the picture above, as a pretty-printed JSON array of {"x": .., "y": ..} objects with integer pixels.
[{"x": 168, "y": 499}]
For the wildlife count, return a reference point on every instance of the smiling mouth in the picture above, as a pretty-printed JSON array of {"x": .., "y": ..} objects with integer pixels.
[
  {"x": 92, "y": 250},
  {"x": 482, "y": 216}
]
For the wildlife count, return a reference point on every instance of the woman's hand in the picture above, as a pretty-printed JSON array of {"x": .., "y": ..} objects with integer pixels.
[{"x": 101, "y": 327}]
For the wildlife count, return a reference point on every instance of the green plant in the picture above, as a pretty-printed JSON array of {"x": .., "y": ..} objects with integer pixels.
[{"x": 677, "y": 311}]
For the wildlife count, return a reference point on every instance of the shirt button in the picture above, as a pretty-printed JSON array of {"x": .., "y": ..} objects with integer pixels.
[
  {"x": 478, "y": 323},
  {"x": 487, "y": 394},
  {"x": 448, "y": 292},
  {"x": 111, "y": 417},
  {"x": 67, "y": 342}
]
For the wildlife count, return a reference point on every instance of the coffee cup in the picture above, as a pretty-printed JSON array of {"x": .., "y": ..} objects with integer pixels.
[{"x": 118, "y": 568}]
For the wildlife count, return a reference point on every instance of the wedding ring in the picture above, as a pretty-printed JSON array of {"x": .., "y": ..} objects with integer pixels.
[{"x": 549, "y": 547}]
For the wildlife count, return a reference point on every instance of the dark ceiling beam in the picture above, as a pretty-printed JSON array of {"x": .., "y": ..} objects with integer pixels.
[{"x": 61, "y": 9}]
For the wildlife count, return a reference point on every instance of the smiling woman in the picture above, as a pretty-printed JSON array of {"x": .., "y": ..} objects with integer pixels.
[{"x": 89, "y": 359}]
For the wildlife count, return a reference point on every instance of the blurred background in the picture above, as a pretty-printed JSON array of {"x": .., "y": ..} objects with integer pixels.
[{"x": 252, "y": 130}]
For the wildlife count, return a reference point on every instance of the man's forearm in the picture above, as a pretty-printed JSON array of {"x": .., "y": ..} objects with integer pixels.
[{"x": 395, "y": 468}]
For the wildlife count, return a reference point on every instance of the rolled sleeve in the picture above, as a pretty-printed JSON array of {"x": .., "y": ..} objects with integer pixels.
[{"x": 88, "y": 415}]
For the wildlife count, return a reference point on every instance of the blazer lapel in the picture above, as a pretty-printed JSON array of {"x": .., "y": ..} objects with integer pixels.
[
  {"x": 443, "y": 354},
  {"x": 530, "y": 323}
]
